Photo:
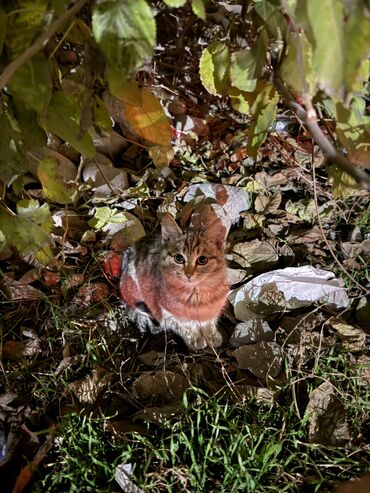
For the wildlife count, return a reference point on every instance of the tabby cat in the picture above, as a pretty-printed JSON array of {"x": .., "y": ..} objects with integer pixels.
[{"x": 177, "y": 280}]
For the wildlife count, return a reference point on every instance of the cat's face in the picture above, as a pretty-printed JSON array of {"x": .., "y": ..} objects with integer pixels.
[
  {"x": 194, "y": 256},
  {"x": 191, "y": 259}
]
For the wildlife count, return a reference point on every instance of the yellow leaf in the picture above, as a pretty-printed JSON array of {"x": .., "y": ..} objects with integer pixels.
[
  {"x": 343, "y": 185},
  {"x": 161, "y": 155},
  {"x": 54, "y": 174},
  {"x": 148, "y": 119}
]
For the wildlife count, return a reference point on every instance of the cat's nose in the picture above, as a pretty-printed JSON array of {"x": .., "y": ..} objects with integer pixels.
[{"x": 188, "y": 274}]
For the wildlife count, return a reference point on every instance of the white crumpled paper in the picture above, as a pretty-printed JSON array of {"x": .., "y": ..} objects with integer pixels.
[
  {"x": 234, "y": 200},
  {"x": 287, "y": 289}
]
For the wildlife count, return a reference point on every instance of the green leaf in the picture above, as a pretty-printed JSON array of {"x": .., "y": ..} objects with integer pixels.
[
  {"x": 29, "y": 231},
  {"x": 33, "y": 135},
  {"x": 343, "y": 184},
  {"x": 305, "y": 209},
  {"x": 127, "y": 91},
  {"x": 24, "y": 23},
  {"x": 101, "y": 115},
  {"x": 2, "y": 241},
  {"x": 323, "y": 24},
  {"x": 272, "y": 18},
  {"x": 356, "y": 44},
  {"x": 175, "y": 3},
  {"x": 296, "y": 69},
  {"x": 199, "y": 8},
  {"x": 63, "y": 118},
  {"x": 353, "y": 130},
  {"x": 263, "y": 108},
  {"x": 36, "y": 213},
  {"x": 214, "y": 68},
  {"x": 239, "y": 101},
  {"x": 32, "y": 83},
  {"x": 126, "y": 34},
  {"x": 105, "y": 215},
  {"x": 54, "y": 177},
  {"x": 246, "y": 66},
  {"x": 13, "y": 161}
]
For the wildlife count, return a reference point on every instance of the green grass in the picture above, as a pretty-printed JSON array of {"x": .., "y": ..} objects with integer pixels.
[
  {"x": 84, "y": 459},
  {"x": 363, "y": 222},
  {"x": 214, "y": 444},
  {"x": 224, "y": 447},
  {"x": 220, "y": 446}
]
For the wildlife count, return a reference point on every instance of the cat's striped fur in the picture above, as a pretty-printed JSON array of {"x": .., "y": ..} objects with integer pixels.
[{"x": 177, "y": 280}]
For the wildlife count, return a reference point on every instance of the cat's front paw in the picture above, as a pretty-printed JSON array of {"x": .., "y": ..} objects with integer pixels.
[{"x": 205, "y": 337}]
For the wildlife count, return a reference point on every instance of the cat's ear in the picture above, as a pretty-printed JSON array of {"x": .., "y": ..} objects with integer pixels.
[
  {"x": 169, "y": 227},
  {"x": 215, "y": 231},
  {"x": 211, "y": 220}
]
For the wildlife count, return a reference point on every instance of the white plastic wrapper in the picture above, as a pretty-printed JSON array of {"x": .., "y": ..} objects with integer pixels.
[{"x": 287, "y": 289}]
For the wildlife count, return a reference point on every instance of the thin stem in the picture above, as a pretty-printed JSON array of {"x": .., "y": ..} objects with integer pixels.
[
  {"x": 310, "y": 122},
  {"x": 40, "y": 42}
]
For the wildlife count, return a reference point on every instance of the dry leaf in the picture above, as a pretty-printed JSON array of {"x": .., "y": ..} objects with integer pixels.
[
  {"x": 148, "y": 119},
  {"x": 250, "y": 332},
  {"x": 92, "y": 293},
  {"x": 356, "y": 485},
  {"x": 363, "y": 313},
  {"x": 19, "y": 291},
  {"x": 163, "y": 386},
  {"x": 87, "y": 389},
  {"x": 124, "y": 234},
  {"x": 351, "y": 338},
  {"x": 17, "y": 350},
  {"x": 255, "y": 255},
  {"x": 262, "y": 359},
  {"x": 105, "y": 180},
  {"x": 161, "y": 155},
  {"x": 328, "y": 422},
  {"x": 154, "y": 359},
  {"x": 266, "y": 203}
]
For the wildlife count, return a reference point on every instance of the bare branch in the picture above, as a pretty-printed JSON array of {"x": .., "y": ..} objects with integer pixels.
[
  {"x": 40, "y": 42},
  {"x": 310, "y": 122}
]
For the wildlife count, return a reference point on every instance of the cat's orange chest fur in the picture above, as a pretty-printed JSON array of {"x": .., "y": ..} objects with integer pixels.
[{"x": 178, "y": 281}]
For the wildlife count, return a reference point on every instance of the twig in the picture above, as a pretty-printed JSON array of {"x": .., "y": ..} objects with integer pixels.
[
  {"x": 310, "y": 122},
  {"x": 343, "y": 269},
  {"x": 40, "y": 42}
]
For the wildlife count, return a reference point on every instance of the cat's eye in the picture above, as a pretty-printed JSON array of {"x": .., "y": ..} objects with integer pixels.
[
  {"x": 202, "y": 260},
  {"x": 179, "y": 259}
]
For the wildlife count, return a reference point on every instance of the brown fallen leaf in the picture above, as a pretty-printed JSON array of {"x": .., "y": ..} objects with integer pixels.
[
  {"x": 93, "y": 293},
  {"x": 111, "y": 264},
  {"x": 87, "y": 389},
  {"x": 162, "y": 386},
  {"x": 357, "y": 485},
  {"x": 19, "y": 291},
  {"x": 17, "y": 350},
  {"x": 28, "y": 471},
  {"x": 262, "y": 359},
  {"x": 351, "y": 338},
  {"x": 51, "y": 278},
  {"x": 255, "y": 255},
  {"x": 327, "y": 417}
]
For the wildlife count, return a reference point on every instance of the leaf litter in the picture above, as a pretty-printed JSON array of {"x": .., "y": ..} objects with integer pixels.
[
  {"x": 288, "y": 306},
  {"x": 157, "y": 370}
]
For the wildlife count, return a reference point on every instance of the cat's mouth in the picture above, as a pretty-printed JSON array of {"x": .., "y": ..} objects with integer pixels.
[{"x": 190, "y": 281}]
